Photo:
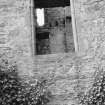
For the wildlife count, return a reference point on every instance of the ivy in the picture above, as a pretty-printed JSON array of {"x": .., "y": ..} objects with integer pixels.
[
  {"x": 15, "y": 91},
  {"x": 96, "y": 95}
]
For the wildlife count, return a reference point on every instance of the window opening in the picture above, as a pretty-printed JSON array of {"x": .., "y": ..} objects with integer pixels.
[{"x": 40, "y": 17}]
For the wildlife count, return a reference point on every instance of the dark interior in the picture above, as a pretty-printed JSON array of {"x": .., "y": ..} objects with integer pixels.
[
  {"x": 51, "y": 3},
  {"x": 41, "y": 36}
]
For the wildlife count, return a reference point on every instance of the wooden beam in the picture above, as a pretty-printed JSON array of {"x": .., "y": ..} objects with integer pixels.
[
  {"x": 51, "y": 3},
  {"x": 74, "y": 26},
  {"x": 32, "y": 20}
]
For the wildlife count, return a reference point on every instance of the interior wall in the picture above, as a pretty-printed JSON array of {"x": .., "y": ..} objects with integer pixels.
[
  {"x": 57, "y": 44},
  {"x": 61, "y": 35}
]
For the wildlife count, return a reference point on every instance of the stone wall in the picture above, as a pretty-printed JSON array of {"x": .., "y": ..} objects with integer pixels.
[
  {"x": 70, "y": 76},
  {"x": 90, "y": 23},
  {"x": 15, "y": 32}
]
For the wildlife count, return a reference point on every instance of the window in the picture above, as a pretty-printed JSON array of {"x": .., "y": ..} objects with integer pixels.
[{"x": 40, "y": 17}]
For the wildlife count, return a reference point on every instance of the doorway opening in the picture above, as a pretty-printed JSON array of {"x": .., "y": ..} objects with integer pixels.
[{"x": 54, "y": 33}]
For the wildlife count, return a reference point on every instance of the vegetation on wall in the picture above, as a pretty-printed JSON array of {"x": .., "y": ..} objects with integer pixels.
[
  {"x": 15, "y": 91},
  {"x": 96, "y": 94}
]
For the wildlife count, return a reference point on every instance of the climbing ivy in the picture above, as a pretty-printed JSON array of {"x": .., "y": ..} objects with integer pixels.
[
  {"x": 15, "y": 91},
  {"x": 96, "y": 95}
]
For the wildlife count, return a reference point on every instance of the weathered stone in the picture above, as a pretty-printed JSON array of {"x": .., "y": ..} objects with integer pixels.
[
  {"x": 69, "y": 74},
  {"x": 15, "y": 33}
]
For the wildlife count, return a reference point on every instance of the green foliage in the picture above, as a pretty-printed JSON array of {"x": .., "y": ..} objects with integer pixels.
[
  {"x": 15, "y": 91},
  {"x": 96, "y": 95}
]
